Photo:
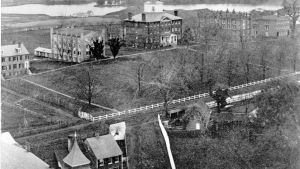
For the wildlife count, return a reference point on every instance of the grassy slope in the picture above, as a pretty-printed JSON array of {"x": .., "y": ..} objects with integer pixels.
[{"x": 146, "y": 147}]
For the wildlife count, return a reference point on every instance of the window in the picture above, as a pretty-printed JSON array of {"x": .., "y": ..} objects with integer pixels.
[
  {"x": 2, "y": 59},
  {"x": 20, "y": 65},
  {"x": 21, "y": 57},
  {"x": 9, "y": 59},
  {"x": 109, "y": 160},
  {"x": 14, "y": 58},
  {"x": 101, "y": 163},
  {"x": 267, "y": 27},
  {"x": 15, "y": 66},
  {"x": 4, "y": 68},
  {"x": 116, "y": 159},
  {"x": 9, "y": 67}
]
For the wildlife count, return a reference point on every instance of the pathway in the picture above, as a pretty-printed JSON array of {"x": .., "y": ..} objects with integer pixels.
[{"x": 54, "y": 91}]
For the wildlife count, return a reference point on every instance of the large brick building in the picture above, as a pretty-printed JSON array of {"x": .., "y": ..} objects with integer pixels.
[
  {"x": 271, "y": 26},
  {"x": 152, "y": 28},
  {"x": 72, "y": 44},
  {"x": 235, "y": 23},
  {"x": 14, "y": 60}
]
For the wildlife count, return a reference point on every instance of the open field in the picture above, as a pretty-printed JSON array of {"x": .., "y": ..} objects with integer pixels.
[
  {"x": 146, "y": 147},
  {"x": 46, "y": 65},
  {"x": 31, "y": 39},
  {"x": 18, "y": 109}
]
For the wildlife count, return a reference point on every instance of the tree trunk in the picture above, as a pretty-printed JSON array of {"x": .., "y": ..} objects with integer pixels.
[{"x": 202, "y": 68}]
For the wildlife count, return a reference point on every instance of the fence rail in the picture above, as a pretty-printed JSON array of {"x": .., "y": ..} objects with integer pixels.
[{"x": 190, "y": 98}]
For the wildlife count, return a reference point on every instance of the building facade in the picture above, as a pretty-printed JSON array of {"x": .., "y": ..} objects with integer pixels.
[
  {"x": 42, "y": 52},
  {"x": 106, "y": 152},
  {"x": 73, "y": 44},
  {"x": 271, "y": 26},
  {"x": 14, "y": 60},
  {"x": 236, "y": 24},
  {"x": 153, "y": 27}
]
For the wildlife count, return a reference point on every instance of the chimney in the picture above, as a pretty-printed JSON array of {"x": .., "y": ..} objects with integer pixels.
[
  {"x": 27, "y": 146},
  {"x": 129, "y": 16},
  {"x": 176, "y": 13},
  {"x": 71, "y": 139},
  {"x": 97, "y": 134},
  {"x": 19, "y": 44},
  {"x": 143, "y": 17}
]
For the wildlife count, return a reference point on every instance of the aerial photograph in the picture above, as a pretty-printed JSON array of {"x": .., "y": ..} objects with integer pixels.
[{"x": 150, "y": 84}]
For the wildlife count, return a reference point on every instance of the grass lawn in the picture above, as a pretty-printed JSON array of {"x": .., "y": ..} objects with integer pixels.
[
  {"x": 38, "y": 66},
  {"x": 146, "y": 147},
  {"x": 39, "y": 115},
  {"x": 12, "y": 118}
]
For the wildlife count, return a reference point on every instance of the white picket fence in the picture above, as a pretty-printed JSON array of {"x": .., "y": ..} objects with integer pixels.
[{"x": 190, "y": 98}]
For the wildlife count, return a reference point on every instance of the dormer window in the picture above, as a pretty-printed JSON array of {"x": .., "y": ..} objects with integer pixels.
[{"x": 18, "y": 50}]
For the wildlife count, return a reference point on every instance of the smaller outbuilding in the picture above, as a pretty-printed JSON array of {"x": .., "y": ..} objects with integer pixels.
[{"x": 42, "y": 52}]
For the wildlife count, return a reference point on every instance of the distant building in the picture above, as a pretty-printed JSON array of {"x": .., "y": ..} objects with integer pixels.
[
  {"x": 83, "y": 14},
  {"x": 14, "y": 60},
  {"x": 13, "y": 155},
  {"x": 271, "y": 26},
  {"x": 236, "y": 24},
  {"x": 153, "y": 27},
  {"x": 72, "y": 44},
  {"x": 42, "y": 52},
  {"x": 114, "y": 2},
  {"x": 106, "y": 151}
]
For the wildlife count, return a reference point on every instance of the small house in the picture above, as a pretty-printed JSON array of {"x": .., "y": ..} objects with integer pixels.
[{"x": 106, "y": 152}]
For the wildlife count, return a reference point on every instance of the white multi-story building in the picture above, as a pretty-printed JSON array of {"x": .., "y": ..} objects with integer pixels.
[{"x": 73, "y": 44}]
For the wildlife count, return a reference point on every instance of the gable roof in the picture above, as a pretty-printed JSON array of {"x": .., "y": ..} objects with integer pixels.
[
  {"x": 104, "y": 146},
  {"x": 10, "y": 50},
  {"x": 41, "y": 49},
  {"x": 76, "y": 157},
  {"x": 120, "y": 128},
  {"x": 154, "y": 17}
]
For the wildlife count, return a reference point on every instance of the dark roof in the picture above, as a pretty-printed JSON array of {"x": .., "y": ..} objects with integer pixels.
[
  {"x": 154, "y": 17},
  {"x": 104, "y": 146},
  {"x": 10, "y": 50},
  {"x": 76, "y": 157}
]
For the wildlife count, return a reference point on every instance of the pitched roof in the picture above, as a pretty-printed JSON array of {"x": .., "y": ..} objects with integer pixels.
[
  {"x": 120, "y": 128},
  {"x": 13, "y": 155},
  {"x": 76, "y": 157},
  {"x": 104, "y": 146},
  {"x": 41, "y": 49},
  {"x": 10, "y": 50},
  {"x": 154, "y": 17}
]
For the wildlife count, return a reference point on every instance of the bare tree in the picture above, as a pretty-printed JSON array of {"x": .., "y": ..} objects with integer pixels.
[
  {"x": 162, "y": 85},
  {"x": 292, "y": 10},
  {"x": 87, "y": 86},
  {"x": 59, "y": 46},
  {"x": 139, "y": 72}
]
